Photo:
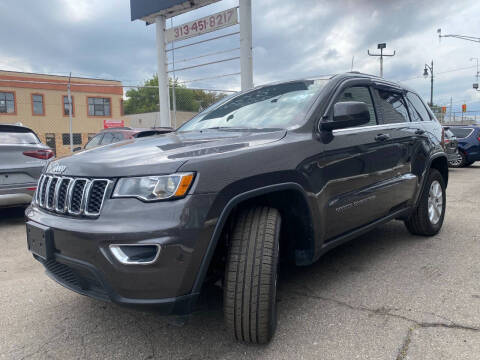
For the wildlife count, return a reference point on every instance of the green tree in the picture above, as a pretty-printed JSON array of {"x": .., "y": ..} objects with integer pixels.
[{"x": 145, "y": 99}]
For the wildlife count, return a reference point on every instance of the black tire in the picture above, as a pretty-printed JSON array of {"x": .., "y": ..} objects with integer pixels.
[
  {"x": 419, "y": 223},
  {"x": 250, "y": 289},
  {"x": 459, "y": 164}
]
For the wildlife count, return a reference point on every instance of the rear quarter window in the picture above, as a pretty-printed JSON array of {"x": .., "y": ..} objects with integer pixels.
[{"x": 461, "y": 132}]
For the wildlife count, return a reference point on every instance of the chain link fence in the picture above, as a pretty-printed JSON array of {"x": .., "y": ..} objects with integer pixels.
[{"x": 457, "y": 117}]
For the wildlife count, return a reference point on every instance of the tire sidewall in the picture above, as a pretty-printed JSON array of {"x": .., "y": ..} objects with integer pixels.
[{"x": 273, "y": 290}]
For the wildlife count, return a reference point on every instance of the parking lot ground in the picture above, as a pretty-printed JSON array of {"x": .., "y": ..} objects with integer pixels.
[{"x": 385, "y": 295}]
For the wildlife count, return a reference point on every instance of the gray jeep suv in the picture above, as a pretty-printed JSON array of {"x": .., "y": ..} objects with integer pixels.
[{"x": 283, "y": 171}]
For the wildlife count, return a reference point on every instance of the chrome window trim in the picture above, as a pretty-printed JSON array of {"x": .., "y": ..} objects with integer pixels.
[
  {"x": 378, "y": 126},
  {"x": 86, "y": 212}
]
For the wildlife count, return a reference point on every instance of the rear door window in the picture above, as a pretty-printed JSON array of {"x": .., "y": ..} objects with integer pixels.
[
  {"x": 418, "y": 111},
  {"x": 18, "y": 138},
  {"x": 107, "y": 138},
  {"x": 393, "y": 107},
  {"x": 461, "y": 133},
  {"x": 118, "y": 136},
  {"x": 359, "y": 93}
]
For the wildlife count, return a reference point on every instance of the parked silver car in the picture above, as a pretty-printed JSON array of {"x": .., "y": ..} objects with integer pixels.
[{"x": 22, "y": 158}]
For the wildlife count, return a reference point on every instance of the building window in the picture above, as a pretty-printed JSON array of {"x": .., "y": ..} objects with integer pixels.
[
  {"x": 66, "y": 106},
  {"x": 50, "y": 141},
  {"x": 7, "y": 103},
  {"x": 99, "y": 106},
  {"x": 77, "y": 139},
  {"x": 38, "y": 106}
]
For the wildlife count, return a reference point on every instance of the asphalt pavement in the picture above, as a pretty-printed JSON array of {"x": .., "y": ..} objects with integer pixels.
[{"x": 385, "y": 295}]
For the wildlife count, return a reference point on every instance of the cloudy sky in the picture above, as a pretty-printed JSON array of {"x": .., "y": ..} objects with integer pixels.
[{"x": 291, "y": 39}]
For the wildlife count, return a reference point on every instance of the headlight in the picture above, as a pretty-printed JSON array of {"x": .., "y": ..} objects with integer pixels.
[{"x": 151, "y": 188}]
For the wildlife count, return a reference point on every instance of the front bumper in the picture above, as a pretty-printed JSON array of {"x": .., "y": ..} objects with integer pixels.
[
  {"x": 17, "y": 195},
  {"x": 83, "y": 262}
]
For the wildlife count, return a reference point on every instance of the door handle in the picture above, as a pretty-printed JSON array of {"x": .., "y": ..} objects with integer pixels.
[
  {"x": 382, "y": 137},
  {"x": 419, "y": 132}
]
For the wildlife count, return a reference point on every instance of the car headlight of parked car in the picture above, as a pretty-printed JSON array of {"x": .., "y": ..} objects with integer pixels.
[{"x": 152, "y": 188}]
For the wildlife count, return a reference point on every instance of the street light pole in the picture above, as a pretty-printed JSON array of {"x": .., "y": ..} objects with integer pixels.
[
  {"x": 477, "y": 74},
  {"x": 462, "y": 37},
  {"x": 425, "y": 74},
  {"x": 381, "y": 47}
]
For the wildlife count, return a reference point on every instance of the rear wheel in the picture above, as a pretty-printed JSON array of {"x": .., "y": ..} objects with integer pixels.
[
  {"x": 251, "y": 275},
  {"x": 427, "y": 218}
]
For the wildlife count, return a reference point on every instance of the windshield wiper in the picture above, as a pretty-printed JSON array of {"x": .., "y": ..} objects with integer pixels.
[
  {"x": 240, "y": 128},
  {"x": 229, "y": 128}
]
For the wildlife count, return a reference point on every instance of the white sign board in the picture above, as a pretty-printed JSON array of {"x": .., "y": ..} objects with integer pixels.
[{"x": 204, "y": 25}]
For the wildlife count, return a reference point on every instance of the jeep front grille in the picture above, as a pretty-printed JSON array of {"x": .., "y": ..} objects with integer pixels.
[{"x": 72, "y": 196}]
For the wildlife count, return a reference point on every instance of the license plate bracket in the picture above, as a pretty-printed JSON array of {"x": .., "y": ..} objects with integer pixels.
[{"x": 40, "y": 240}]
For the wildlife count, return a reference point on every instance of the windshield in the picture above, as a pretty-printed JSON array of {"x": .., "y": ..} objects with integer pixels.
[{"x": 274, "y": 106}]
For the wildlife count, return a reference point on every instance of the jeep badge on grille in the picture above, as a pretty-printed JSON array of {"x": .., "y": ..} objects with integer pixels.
[{"x": 58, "y": 169}]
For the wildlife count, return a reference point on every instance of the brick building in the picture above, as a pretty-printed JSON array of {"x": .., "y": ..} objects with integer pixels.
[{"x": 41, "y": 103}]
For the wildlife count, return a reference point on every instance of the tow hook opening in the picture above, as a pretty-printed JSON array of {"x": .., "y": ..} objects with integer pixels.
[{"x": 135, "y": 254}]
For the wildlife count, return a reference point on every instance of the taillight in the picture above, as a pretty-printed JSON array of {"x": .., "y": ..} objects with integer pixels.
[
  {"x": 39, "y": 154},
  {"x": 478, "y": 139},
  {"x": 443, "y": 136}
]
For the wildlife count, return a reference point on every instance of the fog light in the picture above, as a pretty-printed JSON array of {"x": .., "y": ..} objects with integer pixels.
[{"x": 134, "y": 254}]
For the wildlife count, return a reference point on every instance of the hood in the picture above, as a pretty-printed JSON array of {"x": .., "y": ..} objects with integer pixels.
[{"x": 163, "y": 154}]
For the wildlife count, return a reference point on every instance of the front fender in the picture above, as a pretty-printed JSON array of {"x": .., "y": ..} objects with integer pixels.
[{"x": 224, "y": 205}]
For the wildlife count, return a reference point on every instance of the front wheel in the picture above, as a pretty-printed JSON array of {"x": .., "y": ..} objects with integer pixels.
[
  {"x": 251, "y": 275},
  {"x": 427, "y": 218},
  {"x": 459, "y": 161}
]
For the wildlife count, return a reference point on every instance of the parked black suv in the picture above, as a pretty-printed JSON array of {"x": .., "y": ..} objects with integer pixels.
[{"x": 284, "y": 171}]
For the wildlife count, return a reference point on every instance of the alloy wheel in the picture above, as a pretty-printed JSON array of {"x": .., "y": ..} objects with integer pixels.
[{"x": 435, "y": 202}]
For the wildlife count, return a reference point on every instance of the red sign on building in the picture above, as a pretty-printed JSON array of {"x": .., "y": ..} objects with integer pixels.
[{"x": 107, "y": 124}]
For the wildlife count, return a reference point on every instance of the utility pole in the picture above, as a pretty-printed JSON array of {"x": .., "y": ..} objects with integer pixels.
[
  {"x": 451, "y": 105},
  {"x": 69, "y": 94},
  {"x": 425, "y": 74},
  {"x": 174, "y": 97},
  {"x": 477, "y": 74},
  {"x": 164, "y": 99},
  {"x": 381, "y": 47},
  {"x": 246, "y": 63}
]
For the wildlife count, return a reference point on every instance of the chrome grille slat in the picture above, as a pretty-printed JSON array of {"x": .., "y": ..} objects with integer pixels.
[{"x": 72, "y": 196}]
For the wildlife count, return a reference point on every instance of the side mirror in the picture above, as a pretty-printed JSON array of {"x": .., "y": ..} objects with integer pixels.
[
  {"x": 78, "y": 148},
  {"x": 347, "y": 114}
]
